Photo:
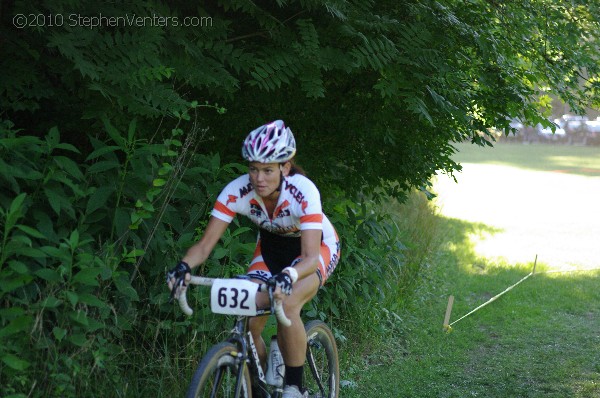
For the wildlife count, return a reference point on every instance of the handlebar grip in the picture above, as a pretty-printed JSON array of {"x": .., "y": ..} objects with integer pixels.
[
  {"x": 280, "y": 314},
  {"x": 196, "y": 280},
  {"x": 183, "y": 304}
]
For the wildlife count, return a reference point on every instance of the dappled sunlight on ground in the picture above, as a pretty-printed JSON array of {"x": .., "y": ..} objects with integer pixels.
[{"x": 555, "y": 216}]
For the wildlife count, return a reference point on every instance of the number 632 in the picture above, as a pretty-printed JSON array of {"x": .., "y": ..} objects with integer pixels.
[{"x": 233, "y": 298}]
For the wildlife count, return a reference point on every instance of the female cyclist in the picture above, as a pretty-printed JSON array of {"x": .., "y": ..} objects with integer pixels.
[{"x": 297, "y": 245}]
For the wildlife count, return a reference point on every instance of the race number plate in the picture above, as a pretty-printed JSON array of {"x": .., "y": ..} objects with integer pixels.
[{"x": 233, "y": 297}]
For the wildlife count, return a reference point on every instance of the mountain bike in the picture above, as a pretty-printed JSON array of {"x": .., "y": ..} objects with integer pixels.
[{"x": 232, "y": 368}]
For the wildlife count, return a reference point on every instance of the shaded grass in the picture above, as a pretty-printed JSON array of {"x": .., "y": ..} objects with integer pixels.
[{"x": 541, "y": 339}]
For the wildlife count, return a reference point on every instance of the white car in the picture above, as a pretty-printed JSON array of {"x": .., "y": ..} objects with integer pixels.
[{"x": 546, "y": 132}]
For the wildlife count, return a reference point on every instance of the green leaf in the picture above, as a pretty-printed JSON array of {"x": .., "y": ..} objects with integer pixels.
[
  {"x": 80, "y": 317},
  {"x": 240, "y": 231},
  {"x": 131, "y": 131},
  {"x": 18, "y": 266},
  {"x": 102, "y": 166},
  {"x": 78, "y": 339},
  {"x": 59, "y": 333},
  {"x": 53, "y": 199},
  {"x": 159, "y": 182},
  {"x": 17, "y": 203},
  {"x": 123, "y": 323},
  {"x": 165, "y": 169},
  {"x": 74, "y": 239},
  {"x": 92, "y": 300},
  {"x": 15, "y": 363},
  {"x": 114, "y": 133},
  {"x": 14, "y": 212},
  {"x": 121, "y": 220},
  {"x": 67, "y": 147},
  {"x": 53, "y": 137},
  {"x": 31, "y": 231},
  {"x": 219, "y": 253},
  {"x": 124, "y": 286},
  {"x": 17, "y": 325},
  {"x": 98, "y": 199},
  {"x": 9, "y": 285},
  {"x": 102, "y": 151},
  {"x": 51, "y": 302},
  {"x": 29, "y": 252},
  {"x": 72, "y": 297},
  {"x": 48, "y": 274},
  {"x": 61, "y": 253},
  {"x": 69, "y": 166},
  {"x": 11, "y": 312},
  {"x": 88, "y": 276}
]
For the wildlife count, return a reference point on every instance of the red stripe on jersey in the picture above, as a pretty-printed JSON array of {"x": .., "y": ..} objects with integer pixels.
[
  {"x": 280, "y": 208},
  {"x": 224, "y": 209},
  {"x": 312, "y": 218}
]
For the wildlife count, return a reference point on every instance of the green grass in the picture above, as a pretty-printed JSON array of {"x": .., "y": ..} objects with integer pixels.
[
  {"x": 540, "y": 157},
  {"x": 540, "y": 339}
]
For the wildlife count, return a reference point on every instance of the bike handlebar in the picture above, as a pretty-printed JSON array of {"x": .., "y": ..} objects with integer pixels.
[{"x": 199, "y": 280}]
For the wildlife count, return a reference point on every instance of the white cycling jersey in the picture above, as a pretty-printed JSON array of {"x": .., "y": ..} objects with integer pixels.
[{"x": 298, "y": 207}]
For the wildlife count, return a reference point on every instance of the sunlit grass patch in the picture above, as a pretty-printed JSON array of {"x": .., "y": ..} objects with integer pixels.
[
  {"x": 530, "y": 210},
  {"x": 541, "y": 157},
  {"x": 537, "y": 340}
]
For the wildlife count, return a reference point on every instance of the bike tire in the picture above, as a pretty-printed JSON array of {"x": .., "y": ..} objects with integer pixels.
[
  {"x": 218, "y": 370},
  {"x": 322, "y": 361}
]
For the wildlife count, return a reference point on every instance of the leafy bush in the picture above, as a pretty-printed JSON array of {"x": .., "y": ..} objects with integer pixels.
[{"x": 84, "y": 248}]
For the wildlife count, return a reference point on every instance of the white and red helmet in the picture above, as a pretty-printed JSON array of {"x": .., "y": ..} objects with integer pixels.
[{"x": 271, "y": 143}]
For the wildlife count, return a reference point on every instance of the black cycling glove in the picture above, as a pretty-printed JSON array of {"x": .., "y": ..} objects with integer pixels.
[
  {"x": 284, "y": 281},
  {"x": 178, "y": 273}
]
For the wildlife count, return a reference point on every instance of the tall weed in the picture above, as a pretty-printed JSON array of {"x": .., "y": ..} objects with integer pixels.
[{"x": 387, "y": 270}]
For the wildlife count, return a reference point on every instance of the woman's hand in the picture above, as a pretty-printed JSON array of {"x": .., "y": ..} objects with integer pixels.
[
  {"x": 283, "y": 285},
  {"x": 178, "y": 277}
]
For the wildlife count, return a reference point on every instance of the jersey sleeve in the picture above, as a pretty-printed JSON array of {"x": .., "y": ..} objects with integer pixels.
[
  {"x": 311, "y": 212},
  {"x": 225, "y": 207}
]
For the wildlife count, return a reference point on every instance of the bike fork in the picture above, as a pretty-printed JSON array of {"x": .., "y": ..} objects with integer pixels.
[{"x": 311, "y": 362}]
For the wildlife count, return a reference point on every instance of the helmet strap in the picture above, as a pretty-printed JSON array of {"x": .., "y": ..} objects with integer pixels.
[{"x": 281, "y": 177}]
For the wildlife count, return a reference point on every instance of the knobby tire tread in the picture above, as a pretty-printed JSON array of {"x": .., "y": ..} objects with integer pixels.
[
  {"x": 218, "y": 354},
  {"x": 327, "y": 340}
]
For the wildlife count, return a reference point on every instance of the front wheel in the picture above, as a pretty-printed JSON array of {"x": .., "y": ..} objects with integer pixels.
[
  {"x": 322, "y": 369},
  {"x": 217, "y": 374}
]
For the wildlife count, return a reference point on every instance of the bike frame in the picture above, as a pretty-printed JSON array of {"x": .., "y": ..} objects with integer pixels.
[
  {"x": 240, "y": 336},
  {"x": 246, "y": 356}
]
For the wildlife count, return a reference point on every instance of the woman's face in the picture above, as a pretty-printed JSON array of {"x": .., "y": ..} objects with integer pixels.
[{"x": 266, "y": 177}]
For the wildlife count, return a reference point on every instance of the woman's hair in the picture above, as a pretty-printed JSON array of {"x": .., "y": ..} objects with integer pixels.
[{"x": 295, "y": 169}]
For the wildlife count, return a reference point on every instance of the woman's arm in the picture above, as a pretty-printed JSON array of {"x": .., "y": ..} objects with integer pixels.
[
  {"x": 199, "y": 252},
  {"x": 311, "y": 249}
]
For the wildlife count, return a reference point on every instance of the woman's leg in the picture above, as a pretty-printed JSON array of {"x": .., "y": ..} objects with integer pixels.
[
  {"x": 257, "y": 325},
  {"x": 292, "y": 339},
  {"x": 259, "y": 273}
]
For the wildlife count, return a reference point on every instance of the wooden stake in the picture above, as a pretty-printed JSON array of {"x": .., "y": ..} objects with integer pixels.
[
  {"x": 534, "y": 264},
  {"x": 448, "y": 312}
]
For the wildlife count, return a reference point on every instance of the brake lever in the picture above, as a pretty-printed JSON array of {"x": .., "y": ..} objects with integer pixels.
[{"x": 180, "y": 282}]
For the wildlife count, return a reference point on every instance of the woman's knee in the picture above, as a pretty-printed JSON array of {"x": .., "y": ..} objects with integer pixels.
[
  {"x": 257, "y": 325},
  {"x": 303, "y": 291}
]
